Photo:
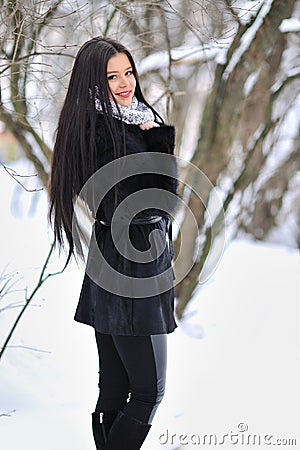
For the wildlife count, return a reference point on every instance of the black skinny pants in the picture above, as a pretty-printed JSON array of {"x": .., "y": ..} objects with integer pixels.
[{"x": 132, "y": 374}]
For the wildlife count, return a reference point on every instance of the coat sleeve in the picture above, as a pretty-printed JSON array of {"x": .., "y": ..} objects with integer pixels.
[{"x": 161, "y": 139}]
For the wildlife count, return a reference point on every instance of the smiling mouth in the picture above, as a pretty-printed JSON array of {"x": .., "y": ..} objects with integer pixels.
[{"x": 124, "y": 94}]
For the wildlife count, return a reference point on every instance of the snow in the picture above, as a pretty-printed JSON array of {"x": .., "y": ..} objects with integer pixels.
[
  {"x": 294, "y": 72},
  {"x": 218, "y": 51},
  {"x": 234, "y": 359},
  {"x": 250, "y": 82},
  {"x": 291, "y": 25},
  {"x": 245, "y": 10},
  {"x": 179, "y": 55},
  {"x": 247, "y": 38}
]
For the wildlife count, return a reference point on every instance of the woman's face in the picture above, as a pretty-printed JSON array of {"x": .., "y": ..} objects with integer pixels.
[{"x": 121, "y": 79}]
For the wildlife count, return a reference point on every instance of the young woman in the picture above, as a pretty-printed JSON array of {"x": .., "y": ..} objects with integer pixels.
[{"x": 105, "y": 118}]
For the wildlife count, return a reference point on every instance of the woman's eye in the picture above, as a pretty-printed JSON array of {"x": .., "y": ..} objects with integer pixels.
[{"x": 114, "y": 77}]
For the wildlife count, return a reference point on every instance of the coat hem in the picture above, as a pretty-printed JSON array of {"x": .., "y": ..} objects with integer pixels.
[{"x": 118, "y": 333}]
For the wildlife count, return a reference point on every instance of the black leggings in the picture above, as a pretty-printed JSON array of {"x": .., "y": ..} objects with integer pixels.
[{"x": 132, "y": 374}]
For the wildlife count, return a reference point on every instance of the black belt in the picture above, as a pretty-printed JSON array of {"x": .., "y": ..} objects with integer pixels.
[{"x": 141, "y": 220}]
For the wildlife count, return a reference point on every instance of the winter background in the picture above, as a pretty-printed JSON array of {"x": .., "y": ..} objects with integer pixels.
[{"x": 233, "y": 360}]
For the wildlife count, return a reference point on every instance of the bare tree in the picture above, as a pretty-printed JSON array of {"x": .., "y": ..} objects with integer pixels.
[{"x": 241, "y": 132}]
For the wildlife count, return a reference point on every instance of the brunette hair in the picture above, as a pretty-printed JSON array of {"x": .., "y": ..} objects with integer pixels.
[{"x": 74, "y": 149}]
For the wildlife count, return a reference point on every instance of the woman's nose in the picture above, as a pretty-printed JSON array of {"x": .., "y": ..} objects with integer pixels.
[{"x": 123, "y": 82}]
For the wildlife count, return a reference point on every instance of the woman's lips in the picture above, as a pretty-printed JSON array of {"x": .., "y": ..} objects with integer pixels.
[{"x": 124, "y": 94}]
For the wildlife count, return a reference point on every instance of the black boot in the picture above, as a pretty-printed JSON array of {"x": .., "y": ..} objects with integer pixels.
[
  {"x": 101, "y": 424},
  {"x": 126, "y": 433}
]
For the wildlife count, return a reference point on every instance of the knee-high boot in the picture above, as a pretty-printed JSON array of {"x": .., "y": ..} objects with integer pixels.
[
  {"x": 126, "y": 433},
  {"x": 101, "y": 424}
]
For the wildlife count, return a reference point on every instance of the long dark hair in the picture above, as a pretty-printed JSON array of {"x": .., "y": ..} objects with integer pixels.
[{"x": 74, "y": 149}]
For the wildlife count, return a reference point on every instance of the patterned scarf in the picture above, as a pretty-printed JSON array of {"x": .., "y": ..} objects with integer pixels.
[{"x": 134, "y": 114}]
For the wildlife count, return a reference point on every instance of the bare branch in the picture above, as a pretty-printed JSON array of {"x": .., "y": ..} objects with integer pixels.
[
  {"x": 7, "y": 414},
  {"x": 278, "y": 88},
  {"x": 41, "y": 280},
  {"x": 168, "y": 81},
  {"x": 29, "y": 348},
  {"x": 185, "y": 21},
  {"x": 15, "y": 176},
  {"x": 19, "y": 134},
  {"x": 109, "y": 22}
]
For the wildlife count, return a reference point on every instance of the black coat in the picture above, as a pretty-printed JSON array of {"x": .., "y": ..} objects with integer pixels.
[{"x": 111, "y": 312}]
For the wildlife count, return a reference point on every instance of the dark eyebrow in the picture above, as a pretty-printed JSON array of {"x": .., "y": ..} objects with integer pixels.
[{"x": 115, "y": 71}]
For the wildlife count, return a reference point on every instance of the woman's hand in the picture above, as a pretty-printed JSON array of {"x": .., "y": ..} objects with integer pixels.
[{"x": 148, "y": 125}]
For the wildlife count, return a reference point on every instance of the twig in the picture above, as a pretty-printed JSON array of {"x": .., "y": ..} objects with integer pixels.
[
  {"x": 168, "y": 41},
  {"x": 40, "y": 282},
  {"x": 7, "y": 414},
  {"x": 14, "y": 175},
  {"x": 29, "y": 348}
]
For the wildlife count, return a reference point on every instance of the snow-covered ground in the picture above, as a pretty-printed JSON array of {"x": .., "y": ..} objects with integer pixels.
[{"x": 233, "y": 364}]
